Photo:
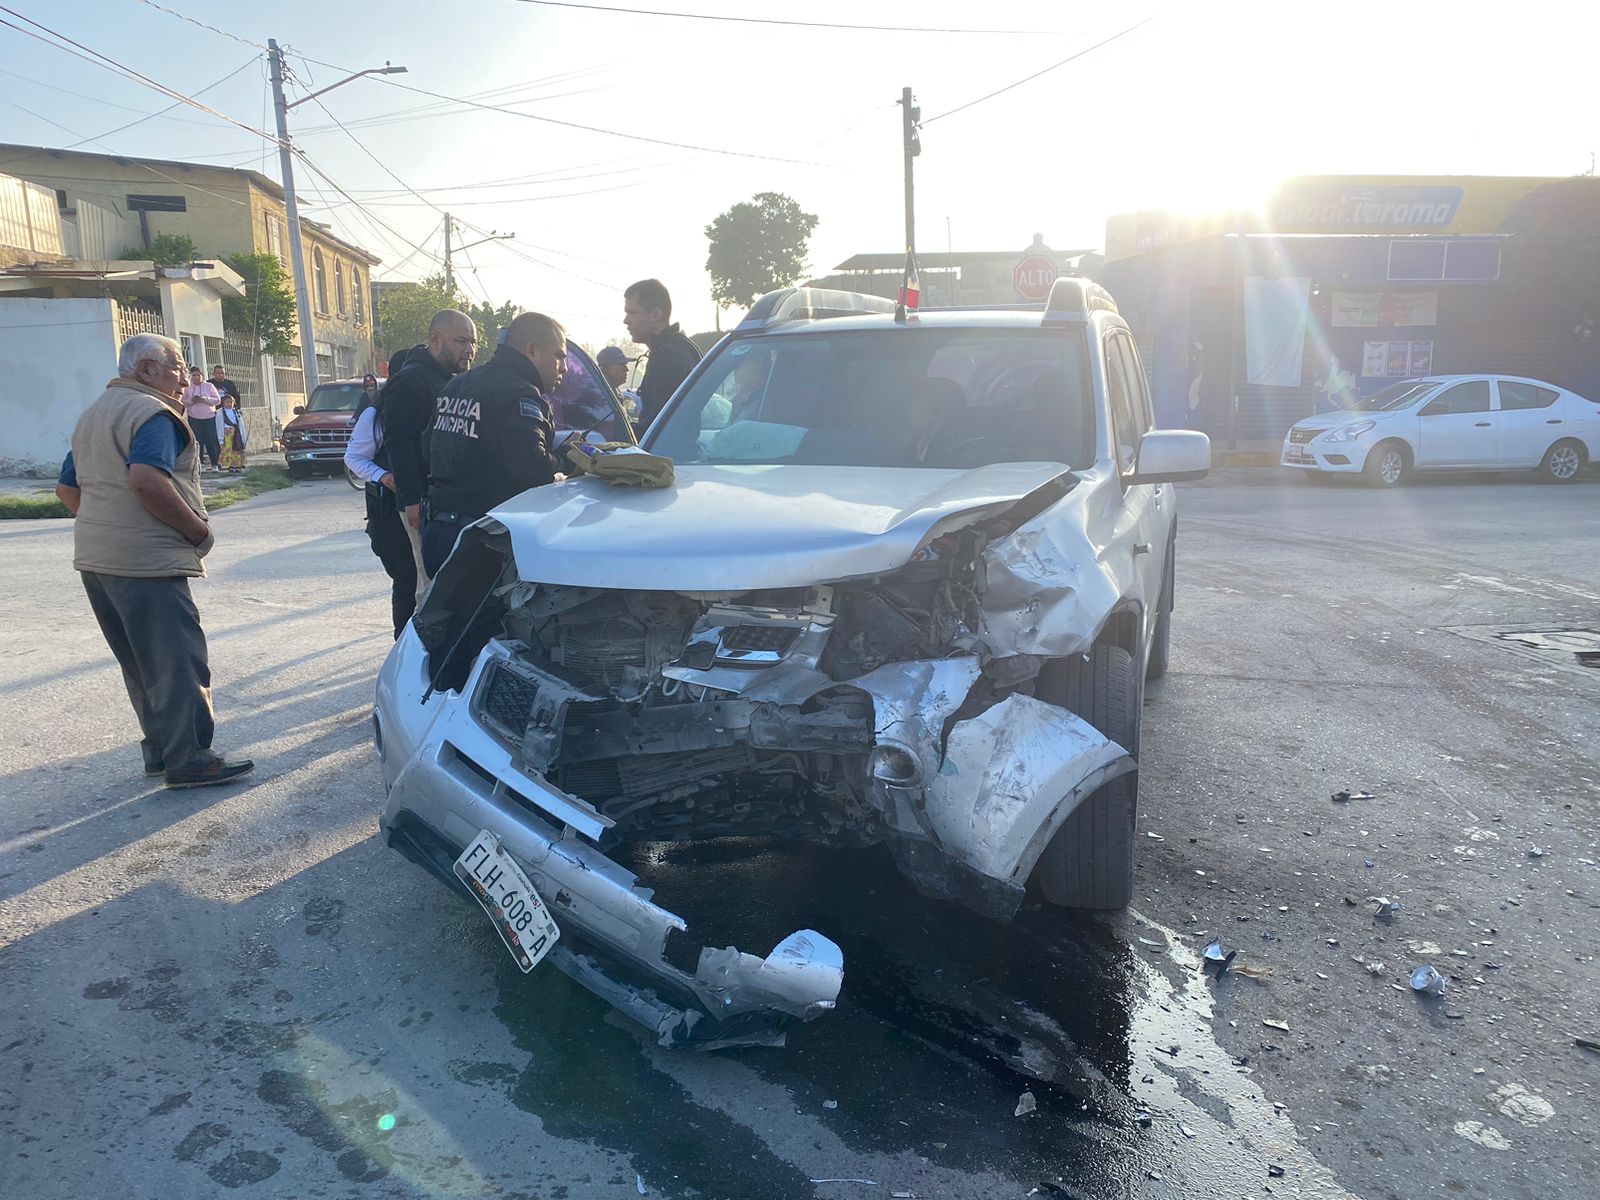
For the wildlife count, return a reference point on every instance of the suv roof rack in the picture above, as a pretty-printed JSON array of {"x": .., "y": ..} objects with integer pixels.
[
  {"x": 1073, "y": 298},
  {"x": 810, "y": 304}
]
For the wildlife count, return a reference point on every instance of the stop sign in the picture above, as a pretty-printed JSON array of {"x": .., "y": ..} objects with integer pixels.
[{"x": 1033, "y": 275}]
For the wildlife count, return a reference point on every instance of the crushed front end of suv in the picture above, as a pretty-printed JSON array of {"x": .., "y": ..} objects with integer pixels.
[{"x": 905, "y": 590}]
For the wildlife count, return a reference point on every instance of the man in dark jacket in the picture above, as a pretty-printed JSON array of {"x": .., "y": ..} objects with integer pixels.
[
  {"x": 647, "y": 312},
  {"x": 407, "y": 404},
  {"x": 493, "y": 433}
]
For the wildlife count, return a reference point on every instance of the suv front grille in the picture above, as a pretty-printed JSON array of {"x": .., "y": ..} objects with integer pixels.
[{"x": 506, "y": 699}]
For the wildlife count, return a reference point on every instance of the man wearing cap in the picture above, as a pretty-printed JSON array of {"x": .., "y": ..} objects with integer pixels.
[
  {"x": 614, "y": 366},
  {"x": 132, "y": 479},
  {"x": 647, "y": 312}
]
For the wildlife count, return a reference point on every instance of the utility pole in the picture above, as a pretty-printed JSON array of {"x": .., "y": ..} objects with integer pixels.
[
  {"x": 449, "y": 251},
  {"x": 449, "y": 272},
  {"x": 297, "y": 253},
  {"x": 911, "y": 144}
]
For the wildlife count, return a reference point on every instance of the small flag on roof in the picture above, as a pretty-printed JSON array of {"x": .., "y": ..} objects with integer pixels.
[{"x": 911, "y": 288}]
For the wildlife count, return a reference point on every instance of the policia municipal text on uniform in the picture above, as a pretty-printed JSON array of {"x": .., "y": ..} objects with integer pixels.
[{"x": 493, "y": 433}]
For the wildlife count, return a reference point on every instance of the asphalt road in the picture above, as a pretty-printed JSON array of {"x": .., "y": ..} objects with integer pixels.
[{"x": 243, "y": 990}]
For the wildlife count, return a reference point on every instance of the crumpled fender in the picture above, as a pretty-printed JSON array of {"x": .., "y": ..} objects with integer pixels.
[
  {"x": 1047, "y": 588},
  {"x": 1005, "y": 780}
]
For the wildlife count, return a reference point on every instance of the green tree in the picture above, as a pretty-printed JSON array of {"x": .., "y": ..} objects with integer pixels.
[
  {"x": 756, "y": 246},
  {"x": 165, "y": 250},
  {"x": 267, "y": 310},
  {"x": 490, "y": 321},
  {"x": 405, "y": 309}
]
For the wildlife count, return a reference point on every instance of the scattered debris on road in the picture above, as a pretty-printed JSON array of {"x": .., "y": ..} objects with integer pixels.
[
  {"x": 830, "y": 1104},
  {"x": 1274, "y": 1171},
  {"x": 1386, "y": 909},
  {"x": 1584, "y": 1043},
  {"x": 1428, "y": 980},
  {"x": 1373, "y": 968},
  {"x": 1025, "y": 1105},
  {"x": 1216, "y": 959},
  {"x": 1535, "y": 852},
  {"x": 1144, "y": 1118},
  {"x": 1280, "y": 1026},
  {"x": 638, "y": 1182},
  {"x": 1346, "y": 797}
]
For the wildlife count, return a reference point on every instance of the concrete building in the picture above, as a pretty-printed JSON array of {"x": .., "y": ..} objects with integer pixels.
[
  {"x": 965, "y": 277},
  {"x": 108, "y": 203},
  {"x": 63, "y": 318}
]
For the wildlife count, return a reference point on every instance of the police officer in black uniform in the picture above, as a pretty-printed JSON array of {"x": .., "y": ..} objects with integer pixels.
[
  {"x": 493, "y": 433},
  {"x": 408, "y": 400}
]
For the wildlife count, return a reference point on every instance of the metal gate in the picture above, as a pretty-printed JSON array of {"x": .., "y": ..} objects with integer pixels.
[
  {"x": 243, "y": 364},
  {"x": 132, "y": 319}
]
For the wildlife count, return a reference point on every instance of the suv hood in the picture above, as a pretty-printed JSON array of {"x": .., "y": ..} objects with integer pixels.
[{"x": 736, "y": 528}]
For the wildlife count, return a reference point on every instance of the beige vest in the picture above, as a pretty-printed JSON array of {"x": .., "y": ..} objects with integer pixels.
[{"x": 114, "y": 534}]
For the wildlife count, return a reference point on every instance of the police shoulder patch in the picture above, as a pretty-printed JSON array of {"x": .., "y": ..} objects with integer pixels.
[{"x": 531, "y": 408}]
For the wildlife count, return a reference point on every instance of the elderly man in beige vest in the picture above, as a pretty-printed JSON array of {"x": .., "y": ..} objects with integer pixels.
[{"x": 132, "y": 478}]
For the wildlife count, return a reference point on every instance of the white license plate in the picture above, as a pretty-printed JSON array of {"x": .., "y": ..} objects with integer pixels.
[{"x": 514, "y": 907}]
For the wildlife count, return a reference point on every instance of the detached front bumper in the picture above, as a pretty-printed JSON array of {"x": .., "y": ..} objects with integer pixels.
[{"x": 448, "y": 779}]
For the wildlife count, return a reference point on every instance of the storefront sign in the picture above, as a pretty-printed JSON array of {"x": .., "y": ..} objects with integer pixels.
[
  {"x": 1369, "y": 310},
  {"x": 1358, "y": 207},
  {"x": 1396, "y": 360}
]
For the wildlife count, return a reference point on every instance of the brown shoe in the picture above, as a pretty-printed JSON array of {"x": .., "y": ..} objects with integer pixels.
[{"x": 208, "y": 772}]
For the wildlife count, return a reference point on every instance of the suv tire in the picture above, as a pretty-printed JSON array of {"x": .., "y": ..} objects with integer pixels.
[{"x": 1089, "y": 863}]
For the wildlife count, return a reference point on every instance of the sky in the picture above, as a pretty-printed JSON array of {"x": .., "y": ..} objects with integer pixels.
[{"x": 1197, "y": 108}]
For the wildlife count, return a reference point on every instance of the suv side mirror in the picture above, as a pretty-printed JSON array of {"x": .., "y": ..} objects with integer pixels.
[
  {"x": 298, "y": 409},
  {"x": 1170, "y": 455}
]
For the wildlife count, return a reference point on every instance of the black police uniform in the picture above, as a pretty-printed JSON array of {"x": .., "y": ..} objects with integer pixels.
[
  {"x": 407, "y": 401},
  {"x": 493, "y": 437},
  {"x": 672, "y": 357}
]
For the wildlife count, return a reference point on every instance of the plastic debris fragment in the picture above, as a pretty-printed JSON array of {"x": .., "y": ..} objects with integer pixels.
[
  {"x": 1280, "y": 1026},
  {"x": 1535, "y": 852},
  {"x": 1428, "y": 980},
  {"x": 1144, "y": 1118},
  {"x": 1025, "y": 1105},
  {"x": 1346, "y": 797},
  {"x": 638, "y": 1182},
  {"x": 1216, "y": 960},
  {"x": 1274, "y": 1171},
  {"x": 1386, "y": 909},
  {"x": 830, "y": 1104}
]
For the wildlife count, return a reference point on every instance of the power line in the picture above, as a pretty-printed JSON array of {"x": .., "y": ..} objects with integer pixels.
[
  {"x": 79, "y": 50},
  {"x": 152, "y": 116},
  {"x": 174, "y": 13},
  {"x": 1028, "y": 79},
  {"x": 95, "y": 99},
  {"x": 690, "y": 16}
]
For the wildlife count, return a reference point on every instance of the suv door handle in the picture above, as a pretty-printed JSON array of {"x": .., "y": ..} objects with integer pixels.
[
  {"x": 1480, "y": 424},
  {"x": 1553, "y": 421}
]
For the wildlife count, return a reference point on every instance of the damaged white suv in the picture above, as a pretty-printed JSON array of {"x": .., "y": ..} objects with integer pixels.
[{"x": 905, "y": 589}]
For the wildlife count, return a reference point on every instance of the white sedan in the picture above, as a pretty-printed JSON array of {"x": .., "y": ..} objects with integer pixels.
[{"x": 1451, "y": 423}]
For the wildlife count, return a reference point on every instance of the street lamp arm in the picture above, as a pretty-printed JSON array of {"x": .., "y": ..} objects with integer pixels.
[
  {"x": 386, "y": 69},
  {"x": 494, "y": 237}
]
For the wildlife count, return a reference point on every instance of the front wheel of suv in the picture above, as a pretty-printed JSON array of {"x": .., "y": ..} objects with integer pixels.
[{"x": 1089, "y": 863}]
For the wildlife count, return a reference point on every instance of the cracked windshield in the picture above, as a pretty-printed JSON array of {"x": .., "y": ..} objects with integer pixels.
[{"x": 812, "y": 602}]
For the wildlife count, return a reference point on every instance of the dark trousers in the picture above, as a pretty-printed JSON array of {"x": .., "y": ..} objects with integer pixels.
[
  {"x": 153, "y": 628},
  {"x": 205, "y": 432},
  {"x": 387, "y": 533},
  {"x": 439, "y": 538}
]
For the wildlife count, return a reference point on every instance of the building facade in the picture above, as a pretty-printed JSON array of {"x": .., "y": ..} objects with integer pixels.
[
  {"x": 1249, "y": 321},
  {"x": 110, "y": 203}
]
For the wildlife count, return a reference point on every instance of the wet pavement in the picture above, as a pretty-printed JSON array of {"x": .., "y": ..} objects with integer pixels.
[{"x": 243, "y": 991}]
